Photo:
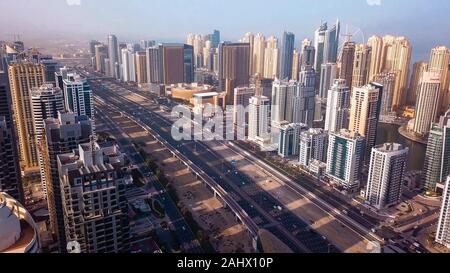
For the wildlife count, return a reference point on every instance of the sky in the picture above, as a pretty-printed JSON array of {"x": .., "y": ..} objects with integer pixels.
[{"x": 425, "y": 22}]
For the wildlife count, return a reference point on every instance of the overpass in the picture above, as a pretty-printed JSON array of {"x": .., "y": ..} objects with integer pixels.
[{"x": 217, "y": 190}]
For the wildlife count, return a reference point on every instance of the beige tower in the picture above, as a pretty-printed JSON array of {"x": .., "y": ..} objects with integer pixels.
[
  {"x": 418, "y": 69},
  {"x": 141, "y": 67},
  {"x": 271, "y": 58},
  {"x": 361, "y": 65},
  {"x": 258, "y": 53},
  {"x": 198, "y": 50},
  {"x": 376, "y": 43},
  {"x": 439, "y": 62},
  {"x": 397, "y": 57},
  {"x": 24, "y": 76},
  {"x": 364, "y": 113},
  {"x": 295, "y": 64},
  {"x": 249, "y": 38},
  {"x": 347, "y": 62},
  {"x": 427, "y": 106},
  {"x": 190, "y": 39},
  {"x": 391, "y": 54}
]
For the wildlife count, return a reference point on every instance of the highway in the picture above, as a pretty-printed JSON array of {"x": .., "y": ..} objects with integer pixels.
[
  {"x": 304, "y": 186},
  {"x": 185, "y": 235},
  {"x": 216, "y": 188},
  {"x": 258, "y": 207}
]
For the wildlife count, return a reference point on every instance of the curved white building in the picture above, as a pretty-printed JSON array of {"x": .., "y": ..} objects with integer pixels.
[{"x": 18, "y": 231}]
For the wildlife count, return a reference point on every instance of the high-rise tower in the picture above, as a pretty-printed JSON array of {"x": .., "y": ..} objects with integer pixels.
[
  {"x": 23, "y": 76},
  {"x": 286, "y": 52},
  {"x": 386, "y": 171}
]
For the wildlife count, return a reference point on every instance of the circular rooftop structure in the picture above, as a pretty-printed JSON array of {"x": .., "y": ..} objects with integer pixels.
[{"x": 18, "y": 231}]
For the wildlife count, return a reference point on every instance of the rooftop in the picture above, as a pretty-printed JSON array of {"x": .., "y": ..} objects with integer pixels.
[
  {"x": 207, "y": 94},
  {"x": 18, "y": 232},
  {"x": 389, "y": 147}
]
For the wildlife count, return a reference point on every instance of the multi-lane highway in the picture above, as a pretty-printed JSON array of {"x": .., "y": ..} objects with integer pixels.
[
  {"x": 263, "y": 203},
  {"x": 259, "y": 207},
  {"x": 182, "y": 231}
]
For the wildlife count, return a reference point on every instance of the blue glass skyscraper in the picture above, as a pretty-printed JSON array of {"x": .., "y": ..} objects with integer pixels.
[
  {"x": 215, "y": 38},
  {"x": 188, "y": 63},
  {"x": 287, "y": 49}
]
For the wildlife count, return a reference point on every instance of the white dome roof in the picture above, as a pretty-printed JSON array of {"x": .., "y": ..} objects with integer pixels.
[{"x": 9, "y": 227}]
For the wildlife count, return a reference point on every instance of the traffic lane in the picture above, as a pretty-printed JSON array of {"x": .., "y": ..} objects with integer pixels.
[
  {"x": 175, "y": 217},
  {"x": 267, "y": 207},
  {"x": 186, "y": 152}
]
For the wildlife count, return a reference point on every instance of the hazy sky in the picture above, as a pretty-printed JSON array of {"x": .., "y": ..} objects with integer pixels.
[{"x": 425, "y": 22}]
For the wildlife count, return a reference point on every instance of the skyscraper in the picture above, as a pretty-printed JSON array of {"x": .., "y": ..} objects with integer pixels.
[
  {"x": 242, "y": 96},
  {"x": 234, "y": 62},
  {"x": 304, "y": 98},
  {"x": 286, "y": 52},
  {"x": 9, "y": 174},
  {"x": 308, "y": 53},
  {"x": 101, "y": 53},
  {"x": 326, "y": 43},
  {"x": 78, "y": 95},
  {"x": 427, "y": 105},
  {"x": 327, "y": 76},
  {"x": 294, "y": 101},
  {"x": 23, "y": 76},
  {"x": 113, "y": 55},
  {"x": 208, "y": 56},
  {"x": 259, "y": 47},
  {"x": 365, "y": 106},
  {"x": 295, "y": 64},
  {"x": 376, "y": 57},
  {"x": 283, "y": 93},
  {"x": 347, "y": 62},
  {"x": 387, "y": 80},
  {"x": 177, "y": 63},
  {"x": 154, "y": 64},
  {"x": 249, "y": 38},
  {"x": 319, "y": 45},
  {"x": 332, "y": 43},
  {"x": 258, "y": 119},
  {"x": 141, "y": 67},
  {"x": 391, "y": 54},
  {"x": 190, "y": 39},
  {"x": 313, "y": 146},
  {"x": 437, "y": 156},
  {"x": 144, "y": 44},
  {"x": 93, "y": 182},
  {"x": 443, "y": 227},
  {"x": 188, "y": 64},
  {"x": 10, "y": 181},
  {"x": 128, "y": 65},
  {"x": 215, "y": 38},
  {"x": 198, "y": 45},
  {"x": 338, "y": 107},
  {"x": 46, "y": 101},
  {"x": 361, "y": 65},
  {"x": 345, "y": 157},
  {"x": 386, "y": 171},
  {"x": 61, "y": 136},
  {"x": 414, "y": 86},
  {"x": 289, "y": 142},
  {"x": 50, "y": 67},
  {"x": 271, "y": 58},
  {"x": 439, "y": 63}
]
